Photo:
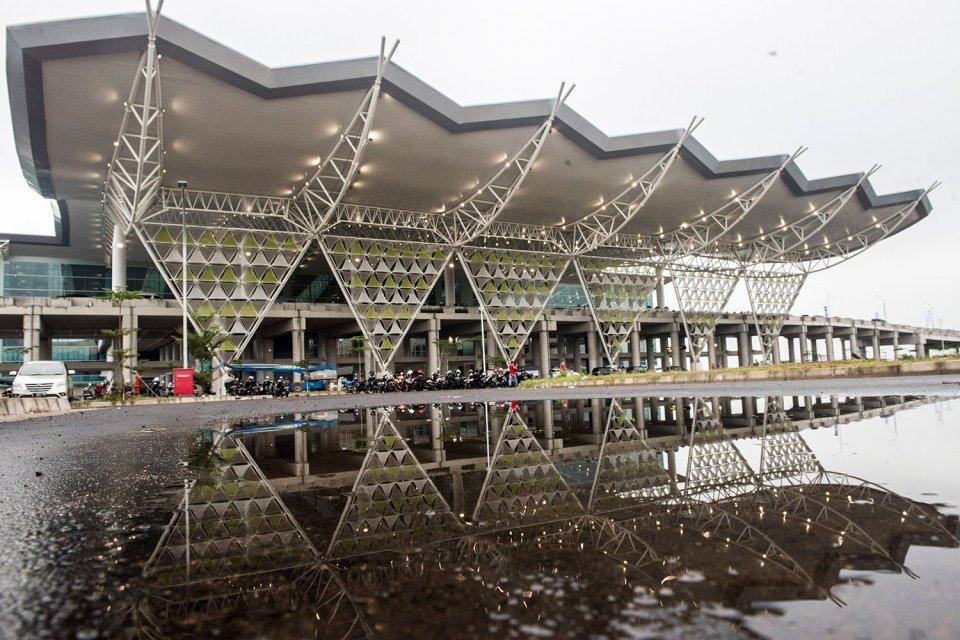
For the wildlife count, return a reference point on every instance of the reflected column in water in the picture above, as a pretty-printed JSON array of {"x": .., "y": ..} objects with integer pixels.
[{"x": 436, "y": 434}]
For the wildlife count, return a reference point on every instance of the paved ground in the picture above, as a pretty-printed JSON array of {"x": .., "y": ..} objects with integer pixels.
[{"x": 84, "y": 495}]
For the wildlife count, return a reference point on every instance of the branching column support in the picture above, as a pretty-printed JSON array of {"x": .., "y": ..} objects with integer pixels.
[
  {"x": 596, "y": 227},
  {"x": 467, "y": 220},
  {"x": 703, "y": 286},
  {"x": 325, "y": 189},
  {"x": 772, "y": 290},
  {"x": 136, "y": 167}
]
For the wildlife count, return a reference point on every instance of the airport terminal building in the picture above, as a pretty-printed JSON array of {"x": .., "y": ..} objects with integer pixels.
[{"x": 294, "y": 208}]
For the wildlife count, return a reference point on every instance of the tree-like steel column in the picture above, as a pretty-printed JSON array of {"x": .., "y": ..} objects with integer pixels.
[
  {"x": 394, "y": 503},
  {"x": 627, "y": 468},
  {"x": 385, "y": 283},
  {"x": 522, "y": 485},
  {"x": 617, "y": 292},
  {"x": 513, "y": 288},
  {"x": 715, "y": 468},
  {"x": 772, "y": 290},
  {"x": 703, "y": 286}
]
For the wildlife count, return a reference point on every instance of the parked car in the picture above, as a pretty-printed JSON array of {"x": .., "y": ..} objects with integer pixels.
[
  {"x": 604, "y": 370},
  {"x": 41, "y": 378},
  {"x": 639, "y": 369}
]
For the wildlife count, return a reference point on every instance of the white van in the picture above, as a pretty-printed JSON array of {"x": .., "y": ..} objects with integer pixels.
[{"x": 41, "y": 378}]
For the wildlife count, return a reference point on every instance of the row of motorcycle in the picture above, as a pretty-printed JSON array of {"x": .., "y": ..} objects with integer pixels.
[
  {"x": 278, "y": 388},
  {"x": 418, "y": 381}
]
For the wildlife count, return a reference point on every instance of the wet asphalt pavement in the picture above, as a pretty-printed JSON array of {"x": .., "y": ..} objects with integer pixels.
[{"x": 85, "y": 493}]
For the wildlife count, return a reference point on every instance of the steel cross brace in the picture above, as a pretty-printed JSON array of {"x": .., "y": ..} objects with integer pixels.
[
  {"x": 226, "y": 203},
  {"x": 467, "y": 220},
  {"x": 324, "y": 190},
  {"x": 600, "y": 224}
]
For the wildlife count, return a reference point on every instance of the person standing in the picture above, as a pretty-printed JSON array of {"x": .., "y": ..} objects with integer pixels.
[{"x": 512, "y": 374}]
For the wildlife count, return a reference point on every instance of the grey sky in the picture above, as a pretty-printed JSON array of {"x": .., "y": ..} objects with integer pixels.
[{"x": 857, "y": 82}]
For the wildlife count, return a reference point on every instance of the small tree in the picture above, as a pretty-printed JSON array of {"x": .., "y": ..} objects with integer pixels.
[
  {"x": 444, "y": 350},
  {"x": 358, "y": 345},
  {"x": 119, "y": 354},
  {"x": 202, "y": 345}
]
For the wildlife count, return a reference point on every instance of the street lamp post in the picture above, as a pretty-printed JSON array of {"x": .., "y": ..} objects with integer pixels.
[
  {"x": 183, "y": 287},
  {"x": 486, "y": 408}
]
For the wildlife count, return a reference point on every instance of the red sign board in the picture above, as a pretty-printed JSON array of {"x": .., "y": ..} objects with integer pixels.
[{"x": 183, "y": 382}]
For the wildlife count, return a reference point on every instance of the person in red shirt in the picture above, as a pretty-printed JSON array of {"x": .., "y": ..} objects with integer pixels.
[{"x": 512, "y": 374}]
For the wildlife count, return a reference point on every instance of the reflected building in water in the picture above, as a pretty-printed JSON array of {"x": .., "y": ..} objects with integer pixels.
[{"x": 591, "y": 531}]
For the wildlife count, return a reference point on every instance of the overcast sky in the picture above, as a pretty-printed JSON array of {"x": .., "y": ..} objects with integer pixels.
[{"x": 858, "y": 82}]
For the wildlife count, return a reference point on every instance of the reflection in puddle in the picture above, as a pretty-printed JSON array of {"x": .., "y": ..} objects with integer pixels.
[{"x": 389, "y": 522}]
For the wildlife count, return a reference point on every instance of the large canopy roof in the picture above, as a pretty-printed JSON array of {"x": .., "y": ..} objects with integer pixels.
[{"x": 233, "y": 125}]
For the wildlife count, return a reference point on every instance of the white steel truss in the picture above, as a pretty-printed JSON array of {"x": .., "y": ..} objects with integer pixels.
[
  {"x": 772, "y": 245},
  {"x": 324, "y": 190},
  {"x": 715, "y": 467},
  {"x": 627, "y": 468},
  {"x": 707, "y": 229},
  {"x": 136, "y": 166},
  {"x": 616, "y": 291},
  {"x": 394, "y": 503},
  {"x": 385, "y": 284},
  {"x": 522, "y": 485},
  {"x": 237, "y": 264},
  {"x": 513, "y": 288},
  {"x": 226, "y": 203},
  {"x": 703, "y": 285},
  {"x": 467, "y": 220},
  {"x": 831, "y": 253},
  {"x": 772, "y": 289},
  {"x": 607, "y": 219}
]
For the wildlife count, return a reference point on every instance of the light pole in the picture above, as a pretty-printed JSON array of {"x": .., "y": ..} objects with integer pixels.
[
  {"x": 826, "y": 307},
  {"x": 883, "y": 305},
  {"x": 183, "y": 287},
  {"x": 486, "y": 407}
]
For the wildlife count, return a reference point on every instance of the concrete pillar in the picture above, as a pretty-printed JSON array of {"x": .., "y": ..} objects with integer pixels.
[
  {"x": 814, "y": 352},
  {"x": 651, "y": 361},
  {"x": 449, "y": 288},
  {"x": 118, "y": 258},
  {"x": 876, "y": 344},
  {"x": 433, "y": 334},
  {"x": 660, "y": 302},
  {"x": 896, "y": 344},
  {"x": 638, "y": 420},
  {"x": 804, "y": 348},
  {"x": 596, "y": 416},
  {"x": 543, "y": 342},
  {"x": 791, "y": 350},
  {"x": 675, "y": 348},
  {"x": 749, "y": 411},
  {"x": 574, "y": 342},
  {"x": 920, "y": 344},
  {"x": 829, "y": 339},
  {"x": 593, "y": 348},
  {"x": 368, "y": 362},
  {"x": 436, "y": 433},
  {"x": 635, "y": 346},
  {"x": 31, "y": 334},
  {"x": 672, "y": 466},
  {"x": 743, "y": 344},
  {"x": 775, "y": 350},
  {"x": 545, "y": 416},
  {"x": 298, "y": 343},
  {"x": 680, "y": 405},
  {"x": 456, "y": 479},
  {"x": 301, "y": 461}
]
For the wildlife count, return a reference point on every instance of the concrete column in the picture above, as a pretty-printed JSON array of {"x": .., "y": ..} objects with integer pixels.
[
  {"x": 804, "y": 349},
  {"x": 660, "y": 302},
  {"x": 118, "y": 258},
  {"x": 635, "y": 346},
  {"x": 368, "y": 362},
  {"x": 791, "y": 350},
  {"x": 749, "y": 411},
  {"x": 743, "y": 344},
  {"x": 456, "y": 479},
  {"x": 574, "y": 342},
  {"x": 675, "y": 348},
  {"x": 31, "y": 334},
  {"x": 896, "y": 344},
  {"x": 920, "y": 345},
  {"x": 672, "y": 466},
  {"x": 301, "y": 461},
  {"x": 543, "y": 342},
  {"x": 814, "y": 353},
  {"x": 433, "y": 334},
  {"x": 593, "y": 348},
  {"x": 775, "y": 350},
  {"x": 680, "y": 405},
  {"x": 876, "y": 345},
  {"x": 829, "y": 338},
  {"x": 651, "y": 361},
  {"x": 298, "y": 343},
  {"x": 596, "y": 416},
  {"x": 638, "y": 419},
  {"x": 545, "y": 414},
  {"x": 449, "y": 287},
  {"x": 436, "y": 433}
]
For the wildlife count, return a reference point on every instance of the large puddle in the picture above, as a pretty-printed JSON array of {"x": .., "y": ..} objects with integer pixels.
[{"x": 786, "y": 517}]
